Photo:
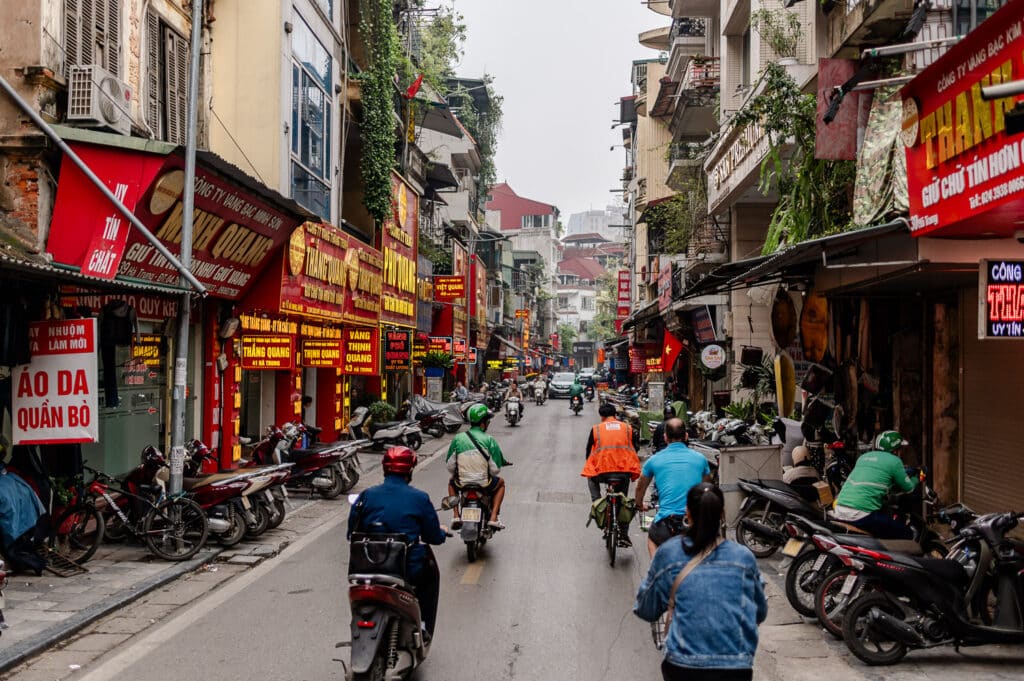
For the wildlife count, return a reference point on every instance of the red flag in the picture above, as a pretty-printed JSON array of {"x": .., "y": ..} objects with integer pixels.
[
  {"x": 673, "y": 346},
  {"x": 414, "y": 88}
]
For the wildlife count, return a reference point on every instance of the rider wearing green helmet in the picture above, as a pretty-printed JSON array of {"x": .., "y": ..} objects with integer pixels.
[
  {"x": 875, "y": 474},
  {"x": 474, "y": 458}
]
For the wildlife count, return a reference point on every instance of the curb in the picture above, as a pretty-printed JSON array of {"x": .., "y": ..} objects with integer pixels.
[
  {"x": 62, "y": 630},
  {"x": 20, "y": 652}
]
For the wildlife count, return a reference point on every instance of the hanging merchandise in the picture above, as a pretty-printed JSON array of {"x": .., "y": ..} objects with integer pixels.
[
  {"x": 118, "y": 325},
  {"x": 785, "y": 383},
  {"x": 13, "y": 334},
  {"x": 814, "y": 327},
  {"x": 783, "y": 319}
]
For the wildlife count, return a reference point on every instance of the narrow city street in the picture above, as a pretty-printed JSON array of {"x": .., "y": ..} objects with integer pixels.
[{"x": 541, "y": 603}]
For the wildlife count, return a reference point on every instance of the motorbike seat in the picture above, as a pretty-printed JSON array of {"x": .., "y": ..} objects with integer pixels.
[
  {"x": 946, "y": 570},
  {"x": 429, "y": 412},
  {"x": 863, "y": 541},
  {"x": 299, "y": 454},
  {"x": 615, "y": 481},
  {"x": 384, "y": 425},
  {"x": 847, "y": 527},
  {"x": 193, "y": 483}
]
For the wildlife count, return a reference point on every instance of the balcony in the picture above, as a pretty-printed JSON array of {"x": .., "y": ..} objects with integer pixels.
[
  {"x": 858, "y": 24},
  {"x": 687, "y": 39},
  {"x": 694, "y": 8},
  {"x": 694, "y": 114},
  {"x": 686, "y": 164}
]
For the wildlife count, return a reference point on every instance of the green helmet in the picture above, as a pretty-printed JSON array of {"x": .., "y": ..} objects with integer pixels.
[
  {"x": 479, "y": 413},
  {"x": 889, "y": 441}
]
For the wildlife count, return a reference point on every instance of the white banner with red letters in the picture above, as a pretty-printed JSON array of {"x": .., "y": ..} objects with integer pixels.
[{"x": 56, "y": 396}]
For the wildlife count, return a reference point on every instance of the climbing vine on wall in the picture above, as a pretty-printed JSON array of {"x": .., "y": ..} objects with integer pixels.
[
  {"x": 815, "y": 195},
  {"x": 377, "y": 29}
]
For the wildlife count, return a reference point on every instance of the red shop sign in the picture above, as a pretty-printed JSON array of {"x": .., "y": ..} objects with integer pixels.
[
  {"x": 397, "y": 350},
  {"x": 362, "y": 352},
  {"x": 268, "y": 352},
  {"x": 965, "y": 174},
  {"x": 448, "y": 288},
  {"x": 440, "y": 344},
  {"x": 322, "y": 354},
  {"x": 398, "y": 244}
]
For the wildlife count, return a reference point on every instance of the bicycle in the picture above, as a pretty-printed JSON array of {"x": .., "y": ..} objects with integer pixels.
[
  {"x": 172, "y": 527},
  {"x": 78, "y": 529},
  {"x": 615, "y": 497}
]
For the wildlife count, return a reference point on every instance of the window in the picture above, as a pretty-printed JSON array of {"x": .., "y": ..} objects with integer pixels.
[
  {"x": 327, "y": 6},
  {"x": 967, "y": 14},
  {"x": 311, "y": 121},
  {"x": 587, "y": 304},
  {"x": 746, "y": 65},
  {"x": 583, "y": 326},
  {"x": 535, "y": 221},
  {"x": 92, "y": 34},
  {"x": 563, "y": 302},
  {"x": 167, "y": 60}
]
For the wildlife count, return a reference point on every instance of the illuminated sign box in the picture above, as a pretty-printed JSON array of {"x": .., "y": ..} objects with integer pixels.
[
  {"x": 322, "y": 354},
  {"x": 268, "y": 352},
  {"x": 397, "y": 350},
  {"x": 362, "y": 352},
  {"x": 1001, "y": 299},
  {"x": 449, "y": 288}
]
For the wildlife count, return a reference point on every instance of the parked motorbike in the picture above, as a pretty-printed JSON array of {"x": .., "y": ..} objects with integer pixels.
[
  {"x": 512, "y": 408},
  {"x": 388, "y": 641},
  {"x": 383, "y": 434},
  {"x": 328, "y": 470},
  {"x": 452, "y": 416},
  {"x": 576, "y": 404},
  {"x": 760, "y": 525},
  {"x": 975, "y": 597},
  {"x": 430, "y": 422},
  {"x": 475, "y": 510}
]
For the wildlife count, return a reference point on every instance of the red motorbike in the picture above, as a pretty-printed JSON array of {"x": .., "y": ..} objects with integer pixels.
[{"x": 325, "y": 469}]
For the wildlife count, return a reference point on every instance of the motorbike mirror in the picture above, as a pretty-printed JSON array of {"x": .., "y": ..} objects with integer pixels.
[
  {"x": 448, "y": 503},
  {"x": 352, "y": 499}
]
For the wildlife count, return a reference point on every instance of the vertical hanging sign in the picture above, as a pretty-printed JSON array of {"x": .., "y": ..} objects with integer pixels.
[{"x": 55, "y": 396}]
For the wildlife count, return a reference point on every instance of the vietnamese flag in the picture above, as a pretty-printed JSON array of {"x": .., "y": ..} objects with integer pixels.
[
  {"x": 414, "y": 88},
  {"x": 673, "y": 346}
]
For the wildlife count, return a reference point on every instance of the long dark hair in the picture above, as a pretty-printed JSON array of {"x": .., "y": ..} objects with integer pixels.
[{"x": 705, "y": 503}]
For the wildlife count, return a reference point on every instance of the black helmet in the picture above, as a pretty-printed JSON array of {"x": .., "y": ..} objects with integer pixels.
[
  {"x": 670, "y": 411},
  {"x": 154, "y": 456}
]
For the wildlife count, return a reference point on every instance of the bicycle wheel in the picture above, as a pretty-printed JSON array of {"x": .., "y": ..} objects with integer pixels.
[
  {"x": 77, "y": 533},
  {"x": 612, "y": 538},
  {"x": 175, "y": 529}
]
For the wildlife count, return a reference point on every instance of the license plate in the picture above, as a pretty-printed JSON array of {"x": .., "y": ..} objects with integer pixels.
[
  {"x": 792, "y": 547},
  {"x": 848, "y": 584},
  {"x": 471, "y": 515}
]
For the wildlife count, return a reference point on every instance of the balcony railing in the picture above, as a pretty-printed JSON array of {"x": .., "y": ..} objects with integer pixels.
[
  {"x": 702, "y": 73},
  {"x": 687, "y": 27}
]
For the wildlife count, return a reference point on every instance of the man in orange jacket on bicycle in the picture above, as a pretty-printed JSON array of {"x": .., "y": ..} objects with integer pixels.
[{"x": 610, "y": 450}]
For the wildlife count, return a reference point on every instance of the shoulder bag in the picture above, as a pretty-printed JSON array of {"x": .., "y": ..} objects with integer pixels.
[{"x": 687, "y": 569}]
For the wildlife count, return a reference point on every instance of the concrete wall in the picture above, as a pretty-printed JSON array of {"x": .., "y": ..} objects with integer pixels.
[
  {"x": 652, "y": 143},
  {"x": 750, "y": 322}
]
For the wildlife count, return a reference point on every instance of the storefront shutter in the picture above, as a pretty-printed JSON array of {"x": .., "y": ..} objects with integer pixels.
[
  {"x": 152, "y": 110},
  {"x": 993, "y": 461},
  {"x": 176, "y": 79}
]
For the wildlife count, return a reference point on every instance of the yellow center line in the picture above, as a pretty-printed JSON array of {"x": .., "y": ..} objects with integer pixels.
[{"x": 473, "y": 573}]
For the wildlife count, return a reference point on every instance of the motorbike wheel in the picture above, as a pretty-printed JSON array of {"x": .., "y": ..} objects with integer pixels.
[
  {"x": 376, "y": 670},
  {"x": 277, "y": 514},
  {"x": 337, "y": 485},
  {"x": 436, "y": 431},
  {"x": 175, "y": 529},
  {"x": 77, "y": 533},
  {"x": 262, "y": 521},
  {"x": 871, "y": 646},
  {"x": 235, "y": 534},
  {"x": 762, "y": 548},
  {"x": 802, "y": 581},
  {"x": 414, "y": 441},
  {"x": 453, "y": 428},
  {"x": 830, "y": 604},
  {"x": 471, "y": 551},
  {"x": 352, "y": 473}
]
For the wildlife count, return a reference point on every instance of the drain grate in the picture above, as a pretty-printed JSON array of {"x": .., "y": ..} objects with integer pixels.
[{"x": 58, "y": 563}]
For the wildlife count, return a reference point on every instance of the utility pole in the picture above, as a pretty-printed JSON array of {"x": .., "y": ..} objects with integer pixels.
[{"x": 178, "y": 401}]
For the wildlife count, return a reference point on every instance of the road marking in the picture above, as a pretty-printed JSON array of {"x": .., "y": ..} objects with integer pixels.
[
  {"x": 114, "y": 667},
  {"x": 473, "y": 573}
]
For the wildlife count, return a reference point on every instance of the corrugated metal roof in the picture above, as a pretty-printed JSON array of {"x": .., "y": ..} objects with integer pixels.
[{"x": 38, "y": 265}]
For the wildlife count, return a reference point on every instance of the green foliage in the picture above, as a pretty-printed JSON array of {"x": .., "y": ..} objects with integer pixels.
[
  {"x": 442, "y": 38},
  {"x": 673, "y": 223},
  {"x": 441, "y": 258},
  {"x": 602, "y": 327},
  {"x": 484, "y": 126},
  {"x": 439, "y": 358},
  {"x": 377, "y": 129},
  {"x": 815, "y": 196},
  {"x": 381, "y": 411},
  {"x": 780, "y": 28},
  {"x": 566, "y": 337}
]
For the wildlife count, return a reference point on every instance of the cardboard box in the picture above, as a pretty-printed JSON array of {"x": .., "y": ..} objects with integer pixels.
[{"x": 824, "y": 493}]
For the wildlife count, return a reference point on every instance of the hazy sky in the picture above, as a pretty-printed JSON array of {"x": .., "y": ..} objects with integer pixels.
[{"x": 561, "y": 66}]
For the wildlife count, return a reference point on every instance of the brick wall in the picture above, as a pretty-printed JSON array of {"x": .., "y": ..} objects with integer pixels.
[{"x": 24, "y": 196}]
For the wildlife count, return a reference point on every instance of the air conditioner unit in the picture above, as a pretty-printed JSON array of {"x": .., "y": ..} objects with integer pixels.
[{"x": 97, "y": 99}]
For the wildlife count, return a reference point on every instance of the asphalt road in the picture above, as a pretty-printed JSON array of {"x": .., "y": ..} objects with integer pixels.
[{"x": 541, "y": 602}]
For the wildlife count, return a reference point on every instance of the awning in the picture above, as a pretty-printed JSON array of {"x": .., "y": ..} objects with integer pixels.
[
  {"x": 30, "y": 265},
  {"x": 645, "y": 313},
  {"x": 440, "y": 176},
  {"x": 508, "y": 343},
  {"x": 718, "y": 280},
  {"x": 815, "y": 250},
  {"x": 439, "y": 118}
]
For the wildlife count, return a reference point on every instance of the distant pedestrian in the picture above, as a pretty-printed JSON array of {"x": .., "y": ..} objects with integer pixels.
[{"x": 712, "y": 591}]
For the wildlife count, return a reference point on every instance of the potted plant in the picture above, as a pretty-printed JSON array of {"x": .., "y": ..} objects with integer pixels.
[
  {"x": 381, "y": 411},
  {"x": 436, "y": 362},
  {"x": 779, "y": 28}
]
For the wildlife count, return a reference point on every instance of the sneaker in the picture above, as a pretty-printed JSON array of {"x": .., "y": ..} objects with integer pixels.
[
  {"x": 495, "y": 525},
  {"x": 624, "y": 541},
  {"x": 456, "y": 524}
]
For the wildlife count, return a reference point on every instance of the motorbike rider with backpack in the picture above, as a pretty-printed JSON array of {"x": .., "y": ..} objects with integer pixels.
[
  {"x": 875, "y": 474},
  {"x": 474, "y": 458},
  {"x": 575, "y": 391},
  {"x": 395, "y": 506},
  {"x": 658, "y": 436}
]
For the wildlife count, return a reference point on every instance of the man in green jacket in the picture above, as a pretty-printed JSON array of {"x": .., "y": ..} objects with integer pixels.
[
  {"x": 474, "y": 458},
  {"x": 575, "y": 391},
  {"x": 875, "y": 474}
]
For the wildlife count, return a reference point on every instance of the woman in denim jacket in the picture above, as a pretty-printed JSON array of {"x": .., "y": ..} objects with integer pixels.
[{"x": 718, "y": 606}]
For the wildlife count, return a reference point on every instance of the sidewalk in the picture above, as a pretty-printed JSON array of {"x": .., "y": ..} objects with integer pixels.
[{"x": 47, "y": 610}]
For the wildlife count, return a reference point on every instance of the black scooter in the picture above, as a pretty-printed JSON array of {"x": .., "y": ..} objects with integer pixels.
[{"x": 975, "y": 597}]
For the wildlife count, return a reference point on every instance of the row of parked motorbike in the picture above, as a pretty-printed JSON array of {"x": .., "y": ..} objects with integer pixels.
[{"x": 885, "y": 597}]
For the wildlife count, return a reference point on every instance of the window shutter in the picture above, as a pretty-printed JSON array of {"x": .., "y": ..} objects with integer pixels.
[
  {"x": 86, "y": 32},
  {"x": 112, "y": 34},
  {"x": 152, "y": 111},
  {"x": 176, "y": 79},
  {"x": 72, "y": 34}
]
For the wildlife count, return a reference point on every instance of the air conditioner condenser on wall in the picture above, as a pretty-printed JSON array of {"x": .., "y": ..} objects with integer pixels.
[{"x": 98, "y": 99}]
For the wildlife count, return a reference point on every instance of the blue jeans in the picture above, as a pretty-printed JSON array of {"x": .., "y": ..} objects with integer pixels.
[{"x": 882, "y": 525}]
